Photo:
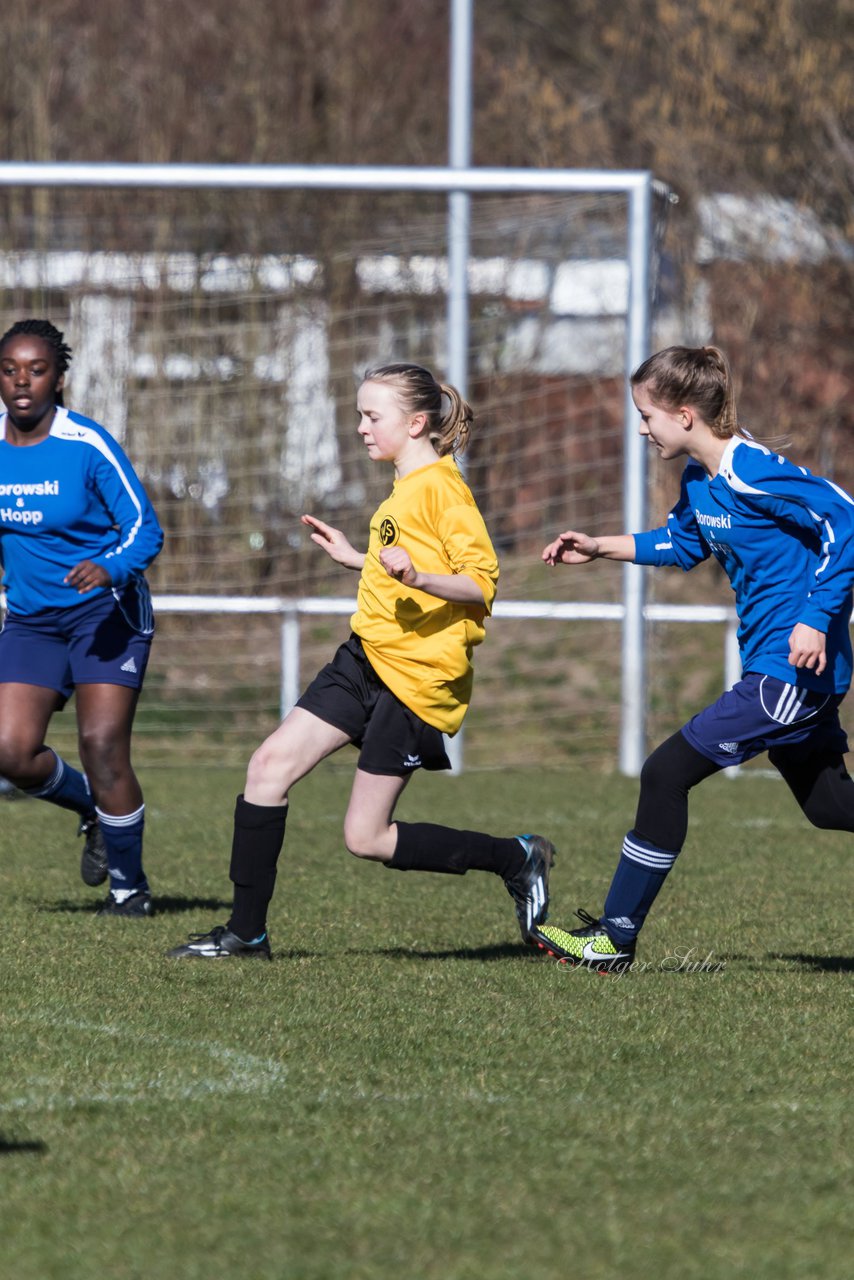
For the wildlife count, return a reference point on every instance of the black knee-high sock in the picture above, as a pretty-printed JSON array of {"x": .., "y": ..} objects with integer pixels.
[
  {"x": 422, "y": 846},
  {"x": 259, "y": 832}
]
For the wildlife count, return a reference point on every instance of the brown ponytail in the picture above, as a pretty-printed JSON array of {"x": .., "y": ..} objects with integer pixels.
[{"x": 696, "y": 376}]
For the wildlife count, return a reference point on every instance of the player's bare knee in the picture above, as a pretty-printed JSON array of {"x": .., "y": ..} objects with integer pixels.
[
  {"x": 105, "y": 759},
  {"x": 258, "y": 768},
  {"x": 16, "y": 758},
  {"x": 8, "y": 758},
  {"x": 98, "y": 744},
  {"x": 359, "y": 847},
  {"x": 269, "y": 766},
  {"x": 360, "y": 840},
  {"x": 10, "y": 762}
]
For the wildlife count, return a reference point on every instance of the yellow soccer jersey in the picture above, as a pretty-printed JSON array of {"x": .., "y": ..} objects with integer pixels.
[{"x": 421, "y": 646}]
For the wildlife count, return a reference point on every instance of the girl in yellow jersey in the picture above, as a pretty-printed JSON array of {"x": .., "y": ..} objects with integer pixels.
[{"x": 404, "y": 677}]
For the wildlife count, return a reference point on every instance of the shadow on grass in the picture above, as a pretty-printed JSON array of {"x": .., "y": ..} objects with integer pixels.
[
  {"x": 820, "y": 964},
  {"x": 499, "y": 951},
  {"x": 176, "y": 906},
  {"x": 162, "y": 906},
  {"x": 503, "y": 952},
  {"x": 11, "y": 1147}
]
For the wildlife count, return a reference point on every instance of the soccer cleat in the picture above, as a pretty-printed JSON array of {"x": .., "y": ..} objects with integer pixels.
[
  {"x": 138, "y": 904},
  {"x": 530, "y": 886},
  {"x": 593, "y": 947},
  {"x": 93, "y": 859},
  {"x": 221, "y": 943}
]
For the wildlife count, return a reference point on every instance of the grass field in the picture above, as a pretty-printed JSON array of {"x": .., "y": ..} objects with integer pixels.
[{"x": 409, "y": 1092}]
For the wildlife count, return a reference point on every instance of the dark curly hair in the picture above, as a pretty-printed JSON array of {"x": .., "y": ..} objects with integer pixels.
[{"x": 48, "y": 333}]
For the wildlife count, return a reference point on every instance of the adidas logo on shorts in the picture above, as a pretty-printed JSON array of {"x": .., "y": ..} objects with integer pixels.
[{"x": 130, "y": 665}]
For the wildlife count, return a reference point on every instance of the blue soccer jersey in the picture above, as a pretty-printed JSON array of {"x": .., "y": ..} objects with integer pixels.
[
  {"x": 73, "y": 496},
  {"x": 785, "y": 539}
]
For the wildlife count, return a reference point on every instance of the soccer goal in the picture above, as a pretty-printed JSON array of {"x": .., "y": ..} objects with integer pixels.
[{"x": 221, "y": 318}]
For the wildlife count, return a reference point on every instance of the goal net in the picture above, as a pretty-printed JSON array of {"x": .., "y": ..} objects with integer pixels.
[{"x": 221, "y": 338}]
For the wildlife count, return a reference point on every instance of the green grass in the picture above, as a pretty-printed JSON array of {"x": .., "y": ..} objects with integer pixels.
[{"x": 406, "y": 1090}]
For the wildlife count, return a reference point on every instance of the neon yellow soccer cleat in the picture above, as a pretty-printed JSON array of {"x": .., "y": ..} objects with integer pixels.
[{"x": 592, "y": 946}]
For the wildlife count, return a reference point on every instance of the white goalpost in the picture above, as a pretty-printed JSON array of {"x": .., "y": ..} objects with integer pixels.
[{"x": 550, "y": 316}]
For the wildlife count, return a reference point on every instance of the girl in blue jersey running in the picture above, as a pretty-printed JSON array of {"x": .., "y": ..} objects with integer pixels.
[
  {"x": 785, "y": 539},
  {"x": 77, "y": 532}
]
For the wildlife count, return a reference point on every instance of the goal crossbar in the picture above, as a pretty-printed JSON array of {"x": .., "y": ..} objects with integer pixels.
[
  {"x": 275, "y": 177},
  {"x": 456, "y": 181}
]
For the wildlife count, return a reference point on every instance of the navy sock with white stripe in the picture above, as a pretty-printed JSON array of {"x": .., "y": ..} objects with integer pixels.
[
  {"x": 640, "y": 874},
  {"x": 66, "y": 787},
  {"x": 123, "y": 841}
]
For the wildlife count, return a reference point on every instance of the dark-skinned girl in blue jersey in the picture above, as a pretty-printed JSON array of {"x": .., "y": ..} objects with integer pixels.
[{"x": 77, "y": 532}]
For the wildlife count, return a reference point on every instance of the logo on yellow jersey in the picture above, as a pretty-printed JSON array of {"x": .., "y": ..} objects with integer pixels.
[{"x": 389, "y": 532}]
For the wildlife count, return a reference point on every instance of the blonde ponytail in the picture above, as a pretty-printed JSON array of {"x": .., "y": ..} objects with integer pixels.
[
  {"x": 455, "y": 428},
  {"x": 419, "y": 392}
]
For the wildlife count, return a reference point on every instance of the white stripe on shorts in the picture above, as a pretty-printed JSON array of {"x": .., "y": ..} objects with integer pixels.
[{"x": 788, "y": 705}]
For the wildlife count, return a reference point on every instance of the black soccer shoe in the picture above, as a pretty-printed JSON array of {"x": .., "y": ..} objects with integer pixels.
[
  {"x": 530, "y": 886},
  {"x": 137, "y": 905},
  {"x": 220, "y": 944},
  {"x": 93, "y": 859}
]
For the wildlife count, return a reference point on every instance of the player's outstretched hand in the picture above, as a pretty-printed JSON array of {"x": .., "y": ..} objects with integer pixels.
[
  {"x": 571, "y": 548},
  {"x": 86, "y": 576},
  {"x": 334, "y": 543},
  {"x": 397, "y": 564}
]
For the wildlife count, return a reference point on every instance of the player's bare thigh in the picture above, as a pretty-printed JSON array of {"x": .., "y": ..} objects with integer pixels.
[
  {"x": 301, "y": 741},
  {"x": 369, "y": 831}
]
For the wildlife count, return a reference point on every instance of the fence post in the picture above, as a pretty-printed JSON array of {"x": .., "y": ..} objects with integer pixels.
[
  {"x": 633, "y": 717},
  {"x": 289, "y": 686}
]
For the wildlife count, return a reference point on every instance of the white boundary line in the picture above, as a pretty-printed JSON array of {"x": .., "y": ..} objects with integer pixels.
[{"x": 246, "y": 1073}]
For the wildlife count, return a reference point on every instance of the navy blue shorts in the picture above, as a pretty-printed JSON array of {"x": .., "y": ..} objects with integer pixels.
[
  {"x": 105, "y": 640},
  {"x": 760, "y": 713},
  {"x": 393, "y": 740}
]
